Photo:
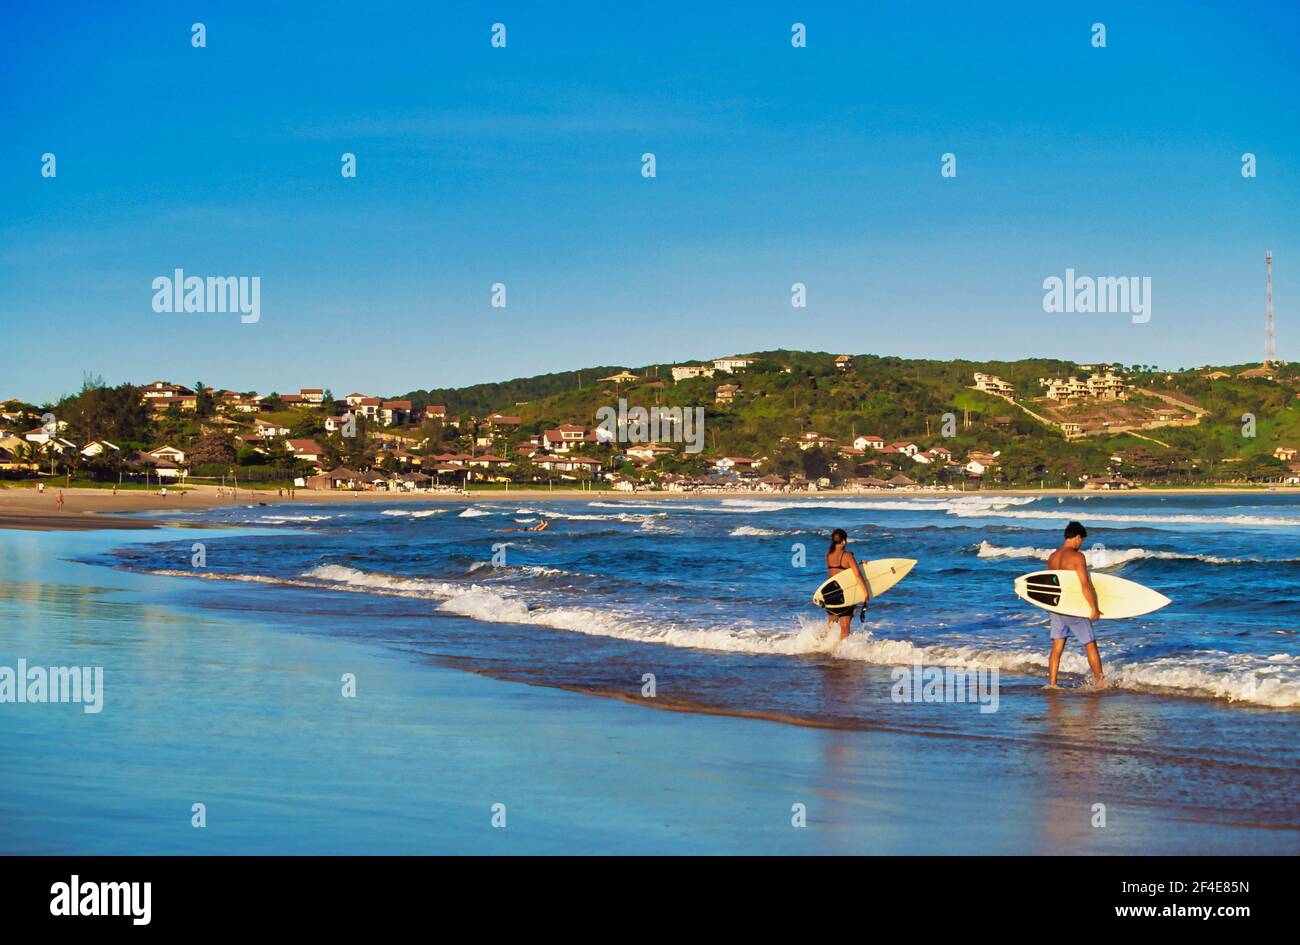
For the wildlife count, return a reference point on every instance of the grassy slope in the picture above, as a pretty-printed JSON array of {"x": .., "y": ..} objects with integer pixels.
[{"x": 895, "y": 398}]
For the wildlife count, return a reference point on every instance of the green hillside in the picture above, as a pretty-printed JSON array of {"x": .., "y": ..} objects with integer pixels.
[
  {"x": 1196, "y": 426},
  {"x": 789, "y": 393}
]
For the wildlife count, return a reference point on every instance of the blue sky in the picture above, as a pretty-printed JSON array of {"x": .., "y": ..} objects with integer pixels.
[{"x": 522, "y": 165}]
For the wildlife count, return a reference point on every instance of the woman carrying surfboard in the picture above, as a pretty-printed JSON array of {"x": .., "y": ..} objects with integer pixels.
[{"x": 838, "y": 559}]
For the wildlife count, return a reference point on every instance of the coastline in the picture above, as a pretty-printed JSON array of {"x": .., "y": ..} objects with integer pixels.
[
  {"x": 93, "y": 509},
  {"x": 423, "y": 753}
]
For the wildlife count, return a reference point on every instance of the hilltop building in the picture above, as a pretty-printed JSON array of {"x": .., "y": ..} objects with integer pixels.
[
  {"x": 992, "y": 384},
  {"x": 622, "y": 377},
  {"x": 687, "y": 371},
  {"x": 1108, "y": 386},
  {"x": 732, "y": 365}
]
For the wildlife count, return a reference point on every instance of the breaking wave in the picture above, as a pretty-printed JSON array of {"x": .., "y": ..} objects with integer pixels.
[
  {"x": 1114, "y": 557},
  {"x": 1244, "y": 678}
]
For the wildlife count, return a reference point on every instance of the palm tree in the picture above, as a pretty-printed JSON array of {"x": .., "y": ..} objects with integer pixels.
[
  {"x": 202, "y": 400},
  {"x": 48, "y": 448}
]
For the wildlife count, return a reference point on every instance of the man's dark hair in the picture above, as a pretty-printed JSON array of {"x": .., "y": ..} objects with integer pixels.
[{"x": 1075, "y": 529}]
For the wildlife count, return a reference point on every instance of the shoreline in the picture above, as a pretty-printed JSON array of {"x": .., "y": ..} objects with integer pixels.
[
  {"x": 364, "y": 769},
  {"x": 93, "y": 509}
]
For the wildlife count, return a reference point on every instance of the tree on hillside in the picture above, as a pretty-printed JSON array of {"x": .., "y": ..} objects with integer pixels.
[
  {"x": 818, "y": 463},
  {"x": 204, "y": 406},
  {"x": 354, "y": 452},
  {"x": 1262, "y": 468},
  {"x": 309, "y": 427},
  {"x": 212, "y": 446},
  {"x": 116, "y": 414},
  {"x": 1142, "y": 462}
]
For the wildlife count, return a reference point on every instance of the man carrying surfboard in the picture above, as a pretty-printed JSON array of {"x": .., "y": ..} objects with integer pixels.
[
  {"x": 1069, "y": 558},
  {"x": 838, "y": 559}
]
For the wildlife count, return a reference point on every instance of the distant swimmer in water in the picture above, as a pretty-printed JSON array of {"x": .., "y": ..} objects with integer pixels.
[
  {"x": 1069, "y": 558},
  {"x": 838, "y": 559},
  {"x": 539, "y": 527}
]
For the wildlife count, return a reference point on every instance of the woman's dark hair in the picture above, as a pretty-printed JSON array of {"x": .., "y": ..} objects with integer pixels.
[
  {"x": 837, "y": 536},
  {"x": 1073, "y": 529}
]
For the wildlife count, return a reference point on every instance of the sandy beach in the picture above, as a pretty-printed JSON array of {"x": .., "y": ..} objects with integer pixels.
[{"x": 83, "y": 509}]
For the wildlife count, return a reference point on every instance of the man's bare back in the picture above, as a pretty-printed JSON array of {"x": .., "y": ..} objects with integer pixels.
[{"x": 1066, "y": 559}]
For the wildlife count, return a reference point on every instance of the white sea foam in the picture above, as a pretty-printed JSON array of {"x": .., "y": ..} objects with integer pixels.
[
  {"x": 1268, "y": 681},
  {"x": 630, "y": 517},
  {"x": 974, "y": 506},
  {"x": 749, "y": 531},
  {"x": 1248, "y": 521},
  {"x": 1113, "y": 557},
  {"x": 964, "y": 505},
  {"x": 408, "y": 513},
  {"x": 517, "y": 569},
  {"x": 1273, "y": 681},
  {"x": 472, "y": 512},
  {"x": 374, "y": 580},
  {"x": 1252, "y": 680},
  {"x": 283, "y": 519}
]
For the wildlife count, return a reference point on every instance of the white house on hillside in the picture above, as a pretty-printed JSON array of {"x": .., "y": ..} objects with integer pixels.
[
  {"x": 992, "y": 384},
  {"x": 686, "y": 371},
  {"x": 732, "y": 365}
]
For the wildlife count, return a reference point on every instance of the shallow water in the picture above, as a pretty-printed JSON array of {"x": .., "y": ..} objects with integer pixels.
[
  {"x": 725, "y": 576},
  {"x": 707, "y": 597},
  {"x": 703, "y": 595}
]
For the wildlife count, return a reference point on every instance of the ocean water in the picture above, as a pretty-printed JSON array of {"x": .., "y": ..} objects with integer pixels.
[
  {"x": 710, "y": 598},
  {"x": 715, "y": 577}
]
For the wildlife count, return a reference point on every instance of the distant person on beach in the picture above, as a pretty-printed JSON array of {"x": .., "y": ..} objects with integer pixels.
[
  {"x": 1069, "y": 558},
  {"x": 40, "y": 487},
  {"x": 58, "y": 501},
  {"x": 839, "y": 558}
]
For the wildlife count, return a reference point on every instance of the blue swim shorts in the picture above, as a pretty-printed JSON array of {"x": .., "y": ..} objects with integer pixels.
[{"x": 1080, "y": 627}]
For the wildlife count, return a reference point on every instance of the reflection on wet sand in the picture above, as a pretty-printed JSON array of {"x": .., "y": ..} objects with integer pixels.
[{"x": 1072, "y": 770}]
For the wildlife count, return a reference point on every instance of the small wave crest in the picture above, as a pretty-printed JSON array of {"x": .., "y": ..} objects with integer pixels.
[{"x": 1114, "y": 557}]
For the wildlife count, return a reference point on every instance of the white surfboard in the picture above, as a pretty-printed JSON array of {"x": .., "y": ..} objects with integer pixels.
[
  {"x": 843, "y": 589},
  {"x": 1061, "y": 593}
]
